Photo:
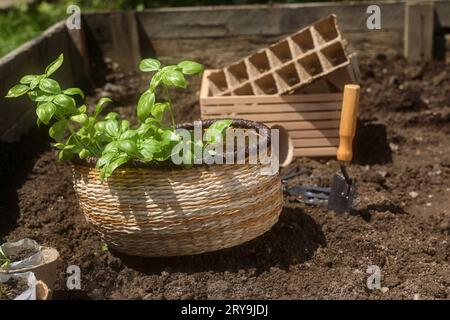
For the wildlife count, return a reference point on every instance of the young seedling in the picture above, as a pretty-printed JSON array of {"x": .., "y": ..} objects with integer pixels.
[
  {"x": 4, "y": 260},
  {"x": 110, "y": 139}
]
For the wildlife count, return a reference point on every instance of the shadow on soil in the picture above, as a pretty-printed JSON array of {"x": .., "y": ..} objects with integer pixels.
[
  {"x": 294, "y": 239},
  {"x": 16, "y": 161},
  {"x": 371, "y": 144},
  {"x": 366, "y": 215}
]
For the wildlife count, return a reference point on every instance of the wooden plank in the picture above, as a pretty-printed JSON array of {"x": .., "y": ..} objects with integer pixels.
[
  {"x": 80, "y": 55},
  {"x": 323, "y": 133},
  {"x": 125, "y": 39},
  {"x": 226, "y": 21},
  {"x": 419, "y": 28},
  {"x": 204, "y": 86},
  {"x": 318, "y": 142},
  {"x": 271, "y": 108},
  {"x": 328, "y": 97},
  {"x": 307, "y": 125},
  {"x": 315, "y": 152},
  {"x": 281, "y": 117},
  {"x": 443, "y": 12}
]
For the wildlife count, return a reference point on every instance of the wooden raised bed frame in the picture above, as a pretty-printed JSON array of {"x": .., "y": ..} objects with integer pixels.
[{"x": 125, "y": 37}]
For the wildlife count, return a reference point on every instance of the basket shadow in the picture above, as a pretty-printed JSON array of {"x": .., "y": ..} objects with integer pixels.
[{"x": 293, "y": 240}]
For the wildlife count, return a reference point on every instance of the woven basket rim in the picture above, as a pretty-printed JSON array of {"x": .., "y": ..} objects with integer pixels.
[{"x": 264, "y": 140}]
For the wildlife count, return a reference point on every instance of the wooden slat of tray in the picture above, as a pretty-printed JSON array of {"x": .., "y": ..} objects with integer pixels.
[
  {"x": 295, "y": 98},
  {"x": 326, "y": 133},
  {"x": 272, "y": 108},
  {"x": 317, "y": 142},
  {"x": 315, "y": 152},
  {"x": 281, "y": 117},
  {"x": 307, "y": 125}
]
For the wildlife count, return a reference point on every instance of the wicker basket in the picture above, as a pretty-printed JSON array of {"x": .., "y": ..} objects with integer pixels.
[{"x": 148, "y": 211}]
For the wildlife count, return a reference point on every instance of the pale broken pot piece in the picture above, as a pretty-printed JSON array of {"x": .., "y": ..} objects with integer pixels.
[
  {"x": 41, "y": 261},
  {"x": 22, "y": 286}
]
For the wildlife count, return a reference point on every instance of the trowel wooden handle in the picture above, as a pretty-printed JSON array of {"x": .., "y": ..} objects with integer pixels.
[{"x": 347, "y": 127}]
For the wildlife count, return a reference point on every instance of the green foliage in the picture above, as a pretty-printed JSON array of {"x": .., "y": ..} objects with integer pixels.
[
  {"x": 4, "y": 260},
  {"x": 111, "y": 140}
]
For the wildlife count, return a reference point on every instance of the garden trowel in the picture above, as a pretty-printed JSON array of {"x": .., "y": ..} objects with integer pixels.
[{"x": 343, "y": 188}]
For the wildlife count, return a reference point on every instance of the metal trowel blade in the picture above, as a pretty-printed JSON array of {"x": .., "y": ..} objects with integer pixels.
[{"x": 341, "y": 194}]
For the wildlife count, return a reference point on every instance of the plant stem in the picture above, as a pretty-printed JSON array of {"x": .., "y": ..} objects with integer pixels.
[
  {"x": 72, "y": 132},
  {"x": 166, "y": 93}
]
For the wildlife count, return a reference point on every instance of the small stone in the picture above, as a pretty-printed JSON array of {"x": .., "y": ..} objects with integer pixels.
[
  {"x": 393, "y": 147},
  {"x": 445, "y": 225},
  {"x": 148, "y": 296},
  {"x": 382, "y": 173},
  {"x": 414, "y": 72},
  {"x": 384, "y": 289},
  {"x": 428, "y": 204},
  {"x": 416, "y": 296},
  {"x": 413, "y": 194}
]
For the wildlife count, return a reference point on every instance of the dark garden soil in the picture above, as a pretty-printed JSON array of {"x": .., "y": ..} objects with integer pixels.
[
  {"x": 401, "y": 223},
  {"x": 12, "y": 288}
]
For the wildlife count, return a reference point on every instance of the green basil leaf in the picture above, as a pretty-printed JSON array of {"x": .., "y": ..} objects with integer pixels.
[
  {"x": 112, "y": 116},
  {"x": 111, "y": 148},
  {"x": 82, "y": 109},
  {"x": 148, "y": 65},
  {"x": 49, "y": 86},
  {"x": 158, "y": 110},
  {"x": 168, "y": 136},
  {"x": 112, "y": 128},
  {"x": 45, "y": 111},
  {"x": 100, "y": 126},
  {"x": 17, "y": 91},
  {"x": 151, "y": 145},
  {"x": 101, "y": 105},
  {"x": 145, "y": 128},
  {"x": 64, "y": 101},
  {"x": 156, "y": 79},
  {"x": 44, "y": 98},
  {"x": 220, "y": 125},
  {"x": 52, "y": 67},
  {"x": 128, "y": 134},
  {"x": 80, "y": 118},
  {"x": 105, "y": 159},
  {"x": 56, "y": 131},
  {"x": 127, "y": 146},
  {"x": 66, "y": 154},
  {"x": 174, "y": 78},
  {"x": 124, "y": 125},
  {"x": 74, "y": 91},
  {"x": 84, "y": 153},
  {"x": 110, "y": 168},
  {"x": 190, "y": 67},
  {"x": 215, "y": 131},
  {"x": 145, "y": 104},
  {"x": 59, "y": 145},
  {"x": 35, "y": 82},
  {"x": 28, "y": 78}
]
